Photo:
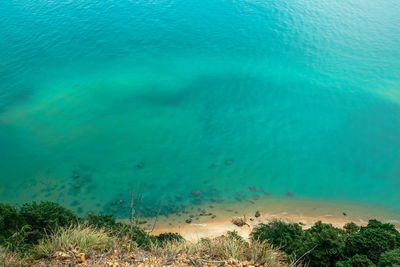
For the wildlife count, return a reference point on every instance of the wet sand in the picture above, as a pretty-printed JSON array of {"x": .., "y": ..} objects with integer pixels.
[{"x": 289, "y": 209}]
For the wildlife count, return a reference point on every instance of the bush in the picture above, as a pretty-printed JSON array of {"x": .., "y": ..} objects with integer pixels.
[
  {"x": 45, "y": 216},
  {"x": 351, "y": 228},
  {"x": 168, "y": 237},
  {"x": 372, "y": 240},
  {"x": 279, "y": 234},
  {"x": 390, "y": 258},
  {"x": 326, "y": 242},
  {"x": 356, "y": 261},
  {"x": 10, "y": 221}
]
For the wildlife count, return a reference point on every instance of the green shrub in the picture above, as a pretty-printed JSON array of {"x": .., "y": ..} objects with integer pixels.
[
  {"x": 351, "y": 228},
  {"x": 10, "y": 221},
  {"x": 108, "y": 222},
  {"x": 279, "y": 234},
  {"x": 390, "y": 258},
  {"x": 45, "y": 216},
  {"x": 169, "y": 237},
  {"x": 356, "y": 261},
  {"x": 372, "y": 240},
  {"x": 327, "y": 243}
]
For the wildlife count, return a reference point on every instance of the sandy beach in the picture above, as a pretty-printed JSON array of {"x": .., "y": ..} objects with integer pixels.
[{"x": 289, "y": 209}]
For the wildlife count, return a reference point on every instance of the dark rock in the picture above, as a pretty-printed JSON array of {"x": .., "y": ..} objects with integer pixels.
[
  {"x": 213, "y": 217},
  {"x": 178, "y": 196},
  {"x": 140, "y": 165},
  {"x": 302, "y": 224},
  {"x": 252, "y": 219},
  {"x": 188, "y": 220},
  {"x": 228, "y": 162},
  {"x": 257, "y": 214},
  {"x": 266, "y": 192},
  {"x": 251, "y": 187},
  {"x": 344, "y": 214},
  {"x": 290, "y": 193},
  {"x": 77, "y": 185},
  {"x": 76, "y": 175}
]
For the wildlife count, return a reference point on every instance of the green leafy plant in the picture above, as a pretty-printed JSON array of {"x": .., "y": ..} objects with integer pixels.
[
  {"x": 325, "y": 242},
  {"x": 11, "y": 221},
  {"x": 390, "y": 258},
  {"x": 372, "y": 240},
  {"x": 46, "y": 216},
  {"x": 356, "y": 261},
  {"x": 280, "y": 234}
]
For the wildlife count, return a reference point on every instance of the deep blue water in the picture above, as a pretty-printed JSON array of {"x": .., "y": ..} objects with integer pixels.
[{"x": 299, "y": 96}]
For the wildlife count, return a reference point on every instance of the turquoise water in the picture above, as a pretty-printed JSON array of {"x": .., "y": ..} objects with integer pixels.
[{"x": 297, "y": 96}]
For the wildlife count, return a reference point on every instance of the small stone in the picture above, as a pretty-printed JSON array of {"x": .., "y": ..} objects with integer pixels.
[
  {"x": 266, "y": 192},
  {"x": 178, "y": 196},
  {"x": 140, "y": 165},
  {"x": 77, "y": 185},
  {"x": 290, "y": 193},
  {"x": 76, "y": 175},
  {"x": 120, "y": 201},
  {"x": 228, "y": 162},
  {"x": 188, "y": 220},
  {"x": 258, "y": 214},
  {"x": 344, "y": 214},
  {"x": 251, "y": 187},
  {"x": 213, "y": 217},
  {"x": 213, "y": 199},
  {"x": 252, "y": 219},
  {"x": 302, "y": 224}
]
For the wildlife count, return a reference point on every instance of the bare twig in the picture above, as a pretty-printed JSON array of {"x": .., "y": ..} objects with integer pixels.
[
  {"x": 302, "y": 256},
  {"x": 155, "y": 221},
  {"x": 132, "y": 211}
]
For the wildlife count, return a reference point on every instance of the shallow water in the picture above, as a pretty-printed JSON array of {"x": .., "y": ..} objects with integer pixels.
[{"x": 295, "y": 96}]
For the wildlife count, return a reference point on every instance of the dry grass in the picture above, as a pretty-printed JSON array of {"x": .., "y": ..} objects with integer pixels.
[
  {"x": 82, "y": 238},
  {"x": 8, "y": 258},
  {"x": 224, "y": 248}
]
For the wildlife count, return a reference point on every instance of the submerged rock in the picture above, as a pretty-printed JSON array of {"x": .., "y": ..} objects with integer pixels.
[
  {"x": 228, "y": 162},
  {"x": 139, "y": 165},
  {"x": 290, "y": 193},
  {"x": 178, "y": 196},
  {"x": 77, "y": 185},
  {"x": 76, "y": 175},
  {"x": 214, "y": 165},
  {"x": 251, "y": 187},
  {"x": 195, "y": 193},
  {"x": 257, "y": 214},
  {"x": 188, "y": 220},
  {"x": 266, "y": 192}
]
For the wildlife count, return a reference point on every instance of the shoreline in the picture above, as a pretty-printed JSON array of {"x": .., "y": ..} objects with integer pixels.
[{"x": 305, "y": 211}]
